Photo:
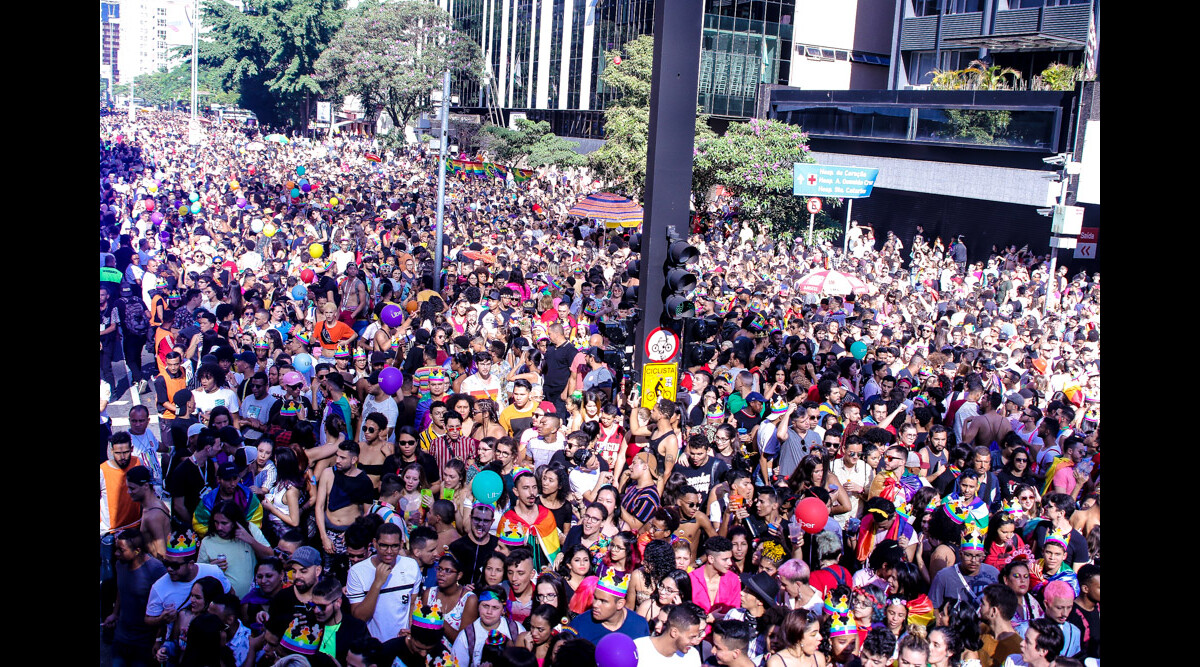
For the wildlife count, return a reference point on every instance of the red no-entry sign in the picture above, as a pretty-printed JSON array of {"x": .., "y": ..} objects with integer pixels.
[{"x": 814, "y": 205}]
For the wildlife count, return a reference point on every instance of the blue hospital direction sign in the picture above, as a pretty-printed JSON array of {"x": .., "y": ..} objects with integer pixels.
[{"x": 814, "y": 180}]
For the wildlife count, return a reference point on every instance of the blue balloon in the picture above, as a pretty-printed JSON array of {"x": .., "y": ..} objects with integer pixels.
[
  {"x": 195, "y": 207},
  {"x": 302, "y": 362},
  {"x": 300, "y": 170},
  {"x": 486, "y": 487},
  {"x": 299, "y": 292},
  {"x": 194, "y": 197},
  {"x": 295, "y": 193}
]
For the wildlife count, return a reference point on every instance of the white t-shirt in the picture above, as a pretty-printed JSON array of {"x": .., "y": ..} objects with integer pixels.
[
  {"x": 648, "y": 656},
  {"x": 223, "y": 396},
  {"x": 253, "y": 408},
  {"x": 387, "y": 407},
  {"x": 165, "y": 591},
  {"x": 540, "y": 451},
  {"x": 393, "y": 609},
  {"x": 479, "y": 388},
  {"x": 473, "y": 658}
]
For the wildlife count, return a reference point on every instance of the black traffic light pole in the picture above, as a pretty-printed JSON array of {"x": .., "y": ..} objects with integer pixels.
[{"x": 677, "y": 32}]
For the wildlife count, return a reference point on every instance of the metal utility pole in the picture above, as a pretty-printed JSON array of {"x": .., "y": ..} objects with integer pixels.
[
  {"x": 677, "y": 32},
  {"x": 193, "y": 123},
  {"x": 441, "y": 196}
]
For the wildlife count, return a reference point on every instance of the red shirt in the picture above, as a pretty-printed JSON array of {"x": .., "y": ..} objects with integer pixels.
[{"x": 824, "y": 581}]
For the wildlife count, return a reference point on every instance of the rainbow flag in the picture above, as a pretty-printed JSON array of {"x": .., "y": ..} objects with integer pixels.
[
  {"x": 501, "y": 171},
  {"x": 543, "y": 534}
]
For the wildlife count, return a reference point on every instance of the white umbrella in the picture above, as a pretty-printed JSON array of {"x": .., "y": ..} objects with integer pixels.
[
  {"x": 255, "y": 146},
  {"x": 828, "y": 281}
]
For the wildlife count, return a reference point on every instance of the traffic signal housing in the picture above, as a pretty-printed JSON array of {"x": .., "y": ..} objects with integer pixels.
[{"x": 679, "y": 281}]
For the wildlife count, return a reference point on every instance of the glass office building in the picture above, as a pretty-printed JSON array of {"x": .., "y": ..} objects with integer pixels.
[{"x": 545, "y": 57}]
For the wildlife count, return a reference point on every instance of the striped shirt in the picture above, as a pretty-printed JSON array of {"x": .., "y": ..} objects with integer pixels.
[
  {"x": 641, "y": 503},
  {"x": 445, "y": 448}
]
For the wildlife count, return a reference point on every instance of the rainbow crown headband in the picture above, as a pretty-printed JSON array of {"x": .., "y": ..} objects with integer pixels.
[
  {"x": 716, "y": 412},
  {"x": 302, "y": 335},
  {"x": 359, "y": 353},
  {"x": 427, "y": 616},
  {"x": 617, "y": 586},
  {"x": 512, "y": 534},
  {"x": 301, "y": 637},
  {"x": 1060, "y": 537},
  {"x": 957, "y": 510},
  {"x": 341, "y": 353},
  {"x": 842, "y": 606},
  {"x": 1011, "y": 508},
  {"x": 904, "y": 511},
  {"x": 261, "y": 343},
  {"x": 972, "y": 540},
  {"x": 183, "y": 544},
  {"x": 840, "y": 627},
  {"x": 779, "y": 405},
  {"x": 289, "y": 410},
  {"x": 447, "y": 659}
]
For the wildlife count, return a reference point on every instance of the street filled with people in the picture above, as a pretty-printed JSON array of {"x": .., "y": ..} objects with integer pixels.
[{"x": 315, "y": 449}]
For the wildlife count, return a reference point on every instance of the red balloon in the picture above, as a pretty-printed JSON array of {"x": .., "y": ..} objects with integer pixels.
[
  {"x": 812, "y": 515},
  {"x": 617, "y": 60},
  {"x": 149, "y": 204},
  {"x": 307, "y": 275}
]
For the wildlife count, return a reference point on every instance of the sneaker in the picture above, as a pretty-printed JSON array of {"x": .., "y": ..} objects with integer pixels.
[{"x": 143, "y": 386}]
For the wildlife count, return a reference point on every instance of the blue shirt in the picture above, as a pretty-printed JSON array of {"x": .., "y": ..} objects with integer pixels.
[
  {"x": 1072, "y": 637},
  {"x": 634, "y": 627}
]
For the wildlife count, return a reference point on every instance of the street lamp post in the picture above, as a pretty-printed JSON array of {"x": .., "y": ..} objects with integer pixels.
[
  {"x": 193, "y": 124},
  {"x": 441, "y": 196}
]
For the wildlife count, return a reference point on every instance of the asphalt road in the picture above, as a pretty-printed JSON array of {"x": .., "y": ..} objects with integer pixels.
[{"x": 122, "y": 400}]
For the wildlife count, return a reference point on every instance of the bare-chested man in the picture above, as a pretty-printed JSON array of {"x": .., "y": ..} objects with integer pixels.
[
  {"x": 989, "y": 425},
  {"x": 156, "y": 518}
]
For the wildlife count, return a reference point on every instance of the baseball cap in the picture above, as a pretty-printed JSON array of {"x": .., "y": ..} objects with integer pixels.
[
  {"x": 379, "y": 358},
  {"x": 291, "y": 378},
  {"x": 227, "y": 470},
  {"x": 305, "y": 557},
  {"x": 195, "y": 429},
  {"x": 494, "y": 294},
  {"x": 548, "y": 408},
  {"x": 755, "y": 396},
  {"x": 594, "y": 352},
  {"x": 138, "y": 475},
  {"x": 1016, "y": 398},
  {"x": 914, "y": 461}
]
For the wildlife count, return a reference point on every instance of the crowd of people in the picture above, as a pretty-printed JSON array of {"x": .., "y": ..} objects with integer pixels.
[{"x": 339, "y": 458}]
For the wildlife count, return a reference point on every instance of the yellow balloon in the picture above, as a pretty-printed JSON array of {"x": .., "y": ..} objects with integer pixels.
[
  {"x": 153, "y": 188},
  {"x": 183, "y": 210},
  {"x": 333, "y": 201},
  {"x": 233, "y": 185},
  {"x": 316, "y": 250},
  {"x": 269, "y": 230}
]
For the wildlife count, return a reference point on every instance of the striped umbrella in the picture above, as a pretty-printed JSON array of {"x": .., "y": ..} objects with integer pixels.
[
  {"x": 828, "y": 281},
  {"x": 372, "y": 157},
  {"x": 614, "y": 210}
]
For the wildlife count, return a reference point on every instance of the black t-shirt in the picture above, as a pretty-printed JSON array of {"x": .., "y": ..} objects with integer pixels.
[
  {"x": 1009, "y": 483},
  {"x": 326, "y": 284},
  {"x": 704, "y": 477},
  {"x": 1088, "y": 623},
  {"x": 472, "y": 557},
  {"x": 397, "y": 649},
  {"x": 283, "y": 608},
  {"x": 563, "y": 516},
  {"x": 1077, "y": 548},
  {"x": 187, "y": 481},
  {"x": 395, "y": 463},
  {"x": 558, "y": 369},
  {"x": 747, "y": 422}
]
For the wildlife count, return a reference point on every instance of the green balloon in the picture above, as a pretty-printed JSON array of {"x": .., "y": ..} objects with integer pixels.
[
  {"x": 487, "y": 487},
  {"x": 858, "y": 349}
]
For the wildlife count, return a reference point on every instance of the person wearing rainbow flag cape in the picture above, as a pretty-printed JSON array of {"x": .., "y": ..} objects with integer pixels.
[{"x": 530, "y": 524}]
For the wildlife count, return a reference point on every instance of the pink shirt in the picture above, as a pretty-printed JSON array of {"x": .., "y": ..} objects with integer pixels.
[
  {"x": 729, "y": 590},
  {"x": 1064, "y": 478}
]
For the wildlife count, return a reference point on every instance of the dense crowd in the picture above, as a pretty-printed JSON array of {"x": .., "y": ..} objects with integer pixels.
[{"x": 339, "y": 459}]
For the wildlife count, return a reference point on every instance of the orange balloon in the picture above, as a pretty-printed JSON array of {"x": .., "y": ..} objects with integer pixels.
[
  {"x": 411, "y": 307},
  {"x": 290, "y": 185}
]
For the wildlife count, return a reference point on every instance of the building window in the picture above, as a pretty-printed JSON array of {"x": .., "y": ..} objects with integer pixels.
[
  {"x": 921, "y": 64},
  {"x": 926, "y": 7},
  {"x": 963, "y": 6}
]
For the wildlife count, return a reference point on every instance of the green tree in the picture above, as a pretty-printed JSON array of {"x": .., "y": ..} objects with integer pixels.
[
  {"x": 622, "y": 158},
  {"x": 984, "y": 126},
  {"x": 268, "y": 52},
  {"x": 393, "y": 55},
  {"x": 532, "y": 144},
  {"x": 753, "y": 161},
  {"x": 1058, "y": 76}
]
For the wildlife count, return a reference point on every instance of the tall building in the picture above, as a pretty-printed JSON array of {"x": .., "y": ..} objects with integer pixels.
[
  {"x": 110, "y": 40},
  {"x": 150, "y": 31},
  {"x": 545, "y": 57},
  {"x": 843, "y": 45},
  {"x": 1026, "y": 35}
]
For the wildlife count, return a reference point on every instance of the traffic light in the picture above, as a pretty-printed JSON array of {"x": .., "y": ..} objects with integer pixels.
[{"x": 679, "y": 281}]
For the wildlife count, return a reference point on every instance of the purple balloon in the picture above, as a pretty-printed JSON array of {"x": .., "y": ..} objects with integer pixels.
[
  {"x": 241, "y": 202},
  {"x": 616, "y": 650},
  {"x": 390, "y": 381},
  {"x": 156, "y": 217},
  {"x": 392, "y": 315},
  {"x": 307, "y": 187}
]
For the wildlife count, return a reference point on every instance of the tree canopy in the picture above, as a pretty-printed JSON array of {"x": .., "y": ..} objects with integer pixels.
[
  {"x": 622, "y": 158},
  {"x": 268, "y": 52},
  {"x": 753, "y": 161},
  {"x": 532, "y": 144},
  {"x": 394, "y": 54}
]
